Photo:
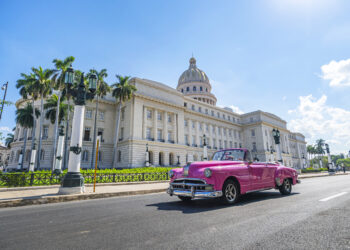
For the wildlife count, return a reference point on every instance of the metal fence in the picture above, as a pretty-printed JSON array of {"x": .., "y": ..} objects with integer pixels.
[{"x": 39, "y": 179}]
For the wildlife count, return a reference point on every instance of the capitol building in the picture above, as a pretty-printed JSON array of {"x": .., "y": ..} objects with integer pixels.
[{"x": 171, "y": 123}]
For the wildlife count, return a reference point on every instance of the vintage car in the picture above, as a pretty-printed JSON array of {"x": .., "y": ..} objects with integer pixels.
[{"x": 228, "y": 175}]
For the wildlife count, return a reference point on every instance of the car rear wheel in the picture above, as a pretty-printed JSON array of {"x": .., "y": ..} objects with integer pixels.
[
  {"x": 185, "y": 198},
  {"x": 230, "y": 192},
  {"x": 286, "y": 187}
]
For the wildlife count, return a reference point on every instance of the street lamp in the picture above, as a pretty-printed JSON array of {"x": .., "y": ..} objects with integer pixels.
[
  {"x": 205, "y": 148},
  {"x": 73, "y": 181},
  {"x": 276, "y": 136},
  {"x": 4, "y": 87}
]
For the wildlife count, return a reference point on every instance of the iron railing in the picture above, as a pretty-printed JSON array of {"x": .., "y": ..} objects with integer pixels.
[{"x": 39, "y": 179}]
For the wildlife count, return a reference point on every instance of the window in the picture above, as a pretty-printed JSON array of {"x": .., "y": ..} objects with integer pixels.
[
  {"x": 235, "y": 133},
  {"x": 169, "y": 136},
  {"x": 149, "y": 114},
  {"x": 121, "y": 136},
  {"x": 224, "y": 131},
  {"x": 182, "y": 90},
  {"x": 235, "y": 144},
  {"x": 102, "y": 115},
  {"x": 169, "y": 118},
  {"x": 201, "y": 89},
  {"x": 188, "y": 89},
  {"x": 159, "y": 134},
  {"x": 240, "y": 145},
  {"x": 193, "y": 124},
  {"x": 45, "y": 132},
  {"x": 87, "y": 134},
  {"x": 186, "y": 139},
  {"x": 194, "y": 88},
  {"x": 206, "y": 127},
  {"x": 100, "y": 133},
  {"x": 230, "y": 144},
  {"x": 230, "y": 132},
  {"x": 225, "y": 144},
  {"x": 148, "y": 133},
  {"x": 212, "y": 113},
  {"x": 219, "y": 131},
  {"x": 219, "y": 143},
  {"x": 185, "y": 104},
  {"x": 85, "y": 155},
  {"x": 119, "y": 156},
  {"x": 251, "y": 119},
  {"x": 218, "y": 114},
  {"x": 200, "y": 109},
  {"x": 186, "y": 123},
  {"x": 239, "y": 134},
  {"x": 193, "y": 140},
  {"x": 193, "y": 108},
  {"x": 159, "y": 116},
  {"x": 214, "y": 143},
  {"x": 254, "y": 146},
  {"x": 253, "y": 132},
  {"x": 88, "y": 114},
  {"x": 213, "y": 130},
  {"x": 224, "y": 116},
  {"x": 123, "y": 114},
  {"x": 233, "y": 119},
  {"x": 229, "y": 118},
  {"x": 206, "y": 111},
  {"x": 206, "y": 89}
]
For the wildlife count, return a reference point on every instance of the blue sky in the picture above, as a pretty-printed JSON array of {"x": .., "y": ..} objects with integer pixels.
[{"x": 287, "y": 57}]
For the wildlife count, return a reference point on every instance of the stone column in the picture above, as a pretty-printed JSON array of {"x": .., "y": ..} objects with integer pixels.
[
  {"x": 197, "y": 133},
  {"x": 165, "y": 126},
  {"x": 175, "y": 128},
  {"x": 144, "y": 122},
  {"x": 190, "y": 132},
  {"x": 155, "y": 127}
]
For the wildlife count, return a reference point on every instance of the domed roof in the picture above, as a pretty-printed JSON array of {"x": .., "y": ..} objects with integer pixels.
[{"x": 193, "y": 74}]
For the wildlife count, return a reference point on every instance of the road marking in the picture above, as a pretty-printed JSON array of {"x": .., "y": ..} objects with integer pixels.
[{"x": 333, "y": 196}]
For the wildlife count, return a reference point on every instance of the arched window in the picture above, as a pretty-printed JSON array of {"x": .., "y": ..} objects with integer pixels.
[
  {"x": 99, "y": 155},
  {"x": 150, "y": 157},
  {"x": 85, "y": 155},
  {"x": 194, "y": 88},
  {"x": 42, "y": 155},
  {"x": 171, "y": 159},
  {"x": 119, "y": 156},
  {"x": 161, "y": 158}
]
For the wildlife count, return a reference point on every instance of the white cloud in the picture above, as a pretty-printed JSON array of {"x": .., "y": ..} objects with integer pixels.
[
  {"x": 315, "y": 119},
  {"x": 236, "y": 109},
  {"x": 338, "y": 73},
  {"x": 5, "y": 129}
]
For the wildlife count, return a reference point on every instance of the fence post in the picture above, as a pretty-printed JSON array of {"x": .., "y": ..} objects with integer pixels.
[
  {"x": 113, "y": 177},
  {"x": 31, "y": 179}
]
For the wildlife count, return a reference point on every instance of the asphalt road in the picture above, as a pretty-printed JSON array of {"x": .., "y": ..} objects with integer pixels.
[{"x": 264, "y": 220}]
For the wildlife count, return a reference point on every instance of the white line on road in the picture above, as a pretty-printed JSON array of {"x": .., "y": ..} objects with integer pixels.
[{"x": 333, "y": 196}]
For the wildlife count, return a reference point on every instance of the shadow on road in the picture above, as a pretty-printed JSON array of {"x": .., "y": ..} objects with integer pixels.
[{"x": 203, "y": 205}]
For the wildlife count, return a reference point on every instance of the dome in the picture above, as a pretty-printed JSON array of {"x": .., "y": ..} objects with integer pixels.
[{"x": 193, "y": 74}]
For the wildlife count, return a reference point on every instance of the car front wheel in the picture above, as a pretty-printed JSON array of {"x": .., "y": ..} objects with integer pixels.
[
  {"x": 286, "y": 187},
  {"x": 230, "y": 192}
]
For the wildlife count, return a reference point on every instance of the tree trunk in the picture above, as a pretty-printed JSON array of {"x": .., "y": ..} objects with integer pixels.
[
  {"x": 33, "y": 135},
  {"x": 56, "y": 130},
  {"x": 24, "y": 146},
  {"x": 116, "y": 136},
  {"x": 94, "y": 139},
  {"x": 40, "y": 131},
  {"x": 66, "y": 152}
]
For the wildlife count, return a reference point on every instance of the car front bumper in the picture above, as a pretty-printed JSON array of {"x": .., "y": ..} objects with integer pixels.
[{"x": 193, "y": 193}]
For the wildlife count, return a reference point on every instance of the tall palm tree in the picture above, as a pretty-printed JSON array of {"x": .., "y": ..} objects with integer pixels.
[
  {"x": 123, "y": 92},
  {"x": 59, "y": 84},
  {"x": 102, "y": 90},
  {"x": 24, "y": 117},
  {"x": 28, "y": 89},
  {"x": 51, "y": 109},
  {"x": 43, "y": 84},
  {"x": 9, "y": 139}
]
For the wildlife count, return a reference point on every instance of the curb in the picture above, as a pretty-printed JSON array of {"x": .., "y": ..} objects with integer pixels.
[
  {"x": 86, "y": 185},
  {"x": 324, "y": 175},
  {"x": 65, "y": 198}
]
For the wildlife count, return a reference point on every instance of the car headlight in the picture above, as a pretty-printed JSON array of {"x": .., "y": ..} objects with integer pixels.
[
  {"x": 207, "y": 172},
  {"x": 171, "y": 174}
]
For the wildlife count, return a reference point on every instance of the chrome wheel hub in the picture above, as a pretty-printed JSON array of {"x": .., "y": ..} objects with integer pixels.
[
  {"x": 287, "y": 185},
  {"x": 230, "y": 192}
]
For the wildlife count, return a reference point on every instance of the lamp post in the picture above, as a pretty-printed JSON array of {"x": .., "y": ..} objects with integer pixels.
[
  {"x": 178, "y": 160},
  {"x": 147, "y": 155},
  {"x": 276, "y": 137},
  {"x": 58, "y": 161},
  {"x": 73, "y": 181},
  {"x": 4, "y": 87},
  {"x": 205, "y": 148},
  {"x": 330, "y": 164}
]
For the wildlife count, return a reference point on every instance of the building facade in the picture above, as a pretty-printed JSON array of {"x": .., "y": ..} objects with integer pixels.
[{"x": 171, "y": 123}]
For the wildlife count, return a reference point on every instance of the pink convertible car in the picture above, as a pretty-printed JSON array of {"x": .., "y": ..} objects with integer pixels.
[{"x": 230, "y": 174}]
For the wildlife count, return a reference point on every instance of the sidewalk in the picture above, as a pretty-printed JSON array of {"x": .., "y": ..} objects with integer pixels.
[{"x": 12, "y": 197}]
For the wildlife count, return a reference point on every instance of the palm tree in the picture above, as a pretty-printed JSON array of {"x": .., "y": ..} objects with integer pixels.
[
  {"x": 9, "y": 139},
  {"x": 102, "y": 90},
  {"x": 58, "y": 78},
  {"x": 51, "y": 107},
  {"x": 122, "y": 92},
  {"x": 43, "y": 85},
  {"x": 24, "y": 117},
  {"x": 28, "y": 88}
]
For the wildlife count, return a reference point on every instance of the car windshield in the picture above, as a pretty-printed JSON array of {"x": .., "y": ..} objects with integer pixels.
[{"x": 229, "y": 155}]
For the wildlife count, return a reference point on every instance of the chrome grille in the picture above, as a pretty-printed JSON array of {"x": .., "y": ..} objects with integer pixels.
[{"x": 187, "y": 184}]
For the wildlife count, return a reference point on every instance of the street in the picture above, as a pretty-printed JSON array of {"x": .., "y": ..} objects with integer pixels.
[{"x": 315, "y": 216}]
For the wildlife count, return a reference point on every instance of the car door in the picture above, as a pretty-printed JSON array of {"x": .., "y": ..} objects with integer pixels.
[
  {"x": 269, "y": 178},
  {"x": 257, "y": 172}
]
